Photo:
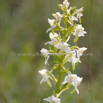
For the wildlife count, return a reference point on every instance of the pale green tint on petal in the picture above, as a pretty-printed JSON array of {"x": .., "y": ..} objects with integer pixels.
[{"x": 67, "y": 58}]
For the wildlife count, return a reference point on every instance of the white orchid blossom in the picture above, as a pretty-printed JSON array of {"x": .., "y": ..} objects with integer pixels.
[
  {"x": 52, "y": 25},
  {"x": 65, "y": 2},
  {"x": 73, "y": 58},
  {"x": 51, "y": 22},
  {"x": 52, "y": 99},
  {"x": 45, "y": 53},
  {"x": 64, "y": 47},
  {"x": 57, "y": 15},
  {"x": 45, "y": 76},
  {"x": 79, "y": 30},
  {"x": 73, "y": 18},
  {"x": 74, "y": 80},
  {"x": 79, "y": 12},
  {"x": 80, "y": 52},
  {"x": 53, "y": 39}
]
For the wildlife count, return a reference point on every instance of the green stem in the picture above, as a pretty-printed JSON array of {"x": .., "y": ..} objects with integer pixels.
[
  {"x": 89, "y": 37},
  {"x": 59, "y": 76}
]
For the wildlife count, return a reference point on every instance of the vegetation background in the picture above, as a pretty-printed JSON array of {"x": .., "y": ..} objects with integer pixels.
[{"x": 23, "y": 25}]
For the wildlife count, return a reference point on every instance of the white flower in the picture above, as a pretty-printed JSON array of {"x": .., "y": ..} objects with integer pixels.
[
  {"x": 79, "y": 30},
  {"x": 45, "y": 76},
  {"x": 74, "y": 80},
  {"x": 73, "y": 18},
  {"x": 57, "y": 15},
  {"x": 64, "y": 47},
  {"x": 81, "y": 50},
  {"x": 51, "y": 22},
  {"x": 73, "y": 58},
  {"x": 79, "y": 12},
  {"x": 53, "y": 39},
  {"x": 52, "y": 99},
  {"x": 45, "y": 53},
  {"x": 65, "y": 2}
]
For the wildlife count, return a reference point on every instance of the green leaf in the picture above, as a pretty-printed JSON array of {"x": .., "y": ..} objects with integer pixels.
[
  {"x": 51, "y": 51},
  {"x": 65, "y": 8},
  {"x": 39, "y": 101},
  {"x": 49, "y": 83},
  {"x": 72, "y": 11},
  {"x": 55, "y": 66},
  {"x": 73, "y": 91},
  {"x": 54, "y": 93},
  {"x": 67, "y": 58},
  {"x": 51, "y": 76},
  {"x": 60, "y": 53},
  {"x": 59, "y": 28},
  {"x": 65, "y": 18},
  {"x": 71, "y": 28},
  {"x": 79, "y": 20},
  {"x": 66, "y": 85},
  {"x": 65, "y": 71},
  {"x": 74, "y": 47},
  {"x": 76, "y": 38},
  {"x": 59, "y": 37},
  {"x": 73, "y": 66},
  {"x": 59, "y": 5}
]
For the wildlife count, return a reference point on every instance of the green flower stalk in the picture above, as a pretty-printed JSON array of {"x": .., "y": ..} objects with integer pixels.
[{"x": 62, "y": 27}]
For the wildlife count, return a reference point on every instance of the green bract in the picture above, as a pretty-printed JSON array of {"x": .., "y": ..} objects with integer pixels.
[{"x": 64, "y": 25}]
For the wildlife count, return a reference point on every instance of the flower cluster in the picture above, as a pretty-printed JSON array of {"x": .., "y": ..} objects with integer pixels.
[{"x": 62, "y": 27}]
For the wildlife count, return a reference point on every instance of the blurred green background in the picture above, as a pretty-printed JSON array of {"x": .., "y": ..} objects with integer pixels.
[{"x": 23, "y": 25}]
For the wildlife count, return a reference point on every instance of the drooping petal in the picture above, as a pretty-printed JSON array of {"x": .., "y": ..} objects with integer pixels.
[
  {"x": 44, "y": 79},
  {"x": 45, "y": 76},
  {"x": 52, "y": 99},
  {"x": 47, "y": 59}
]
